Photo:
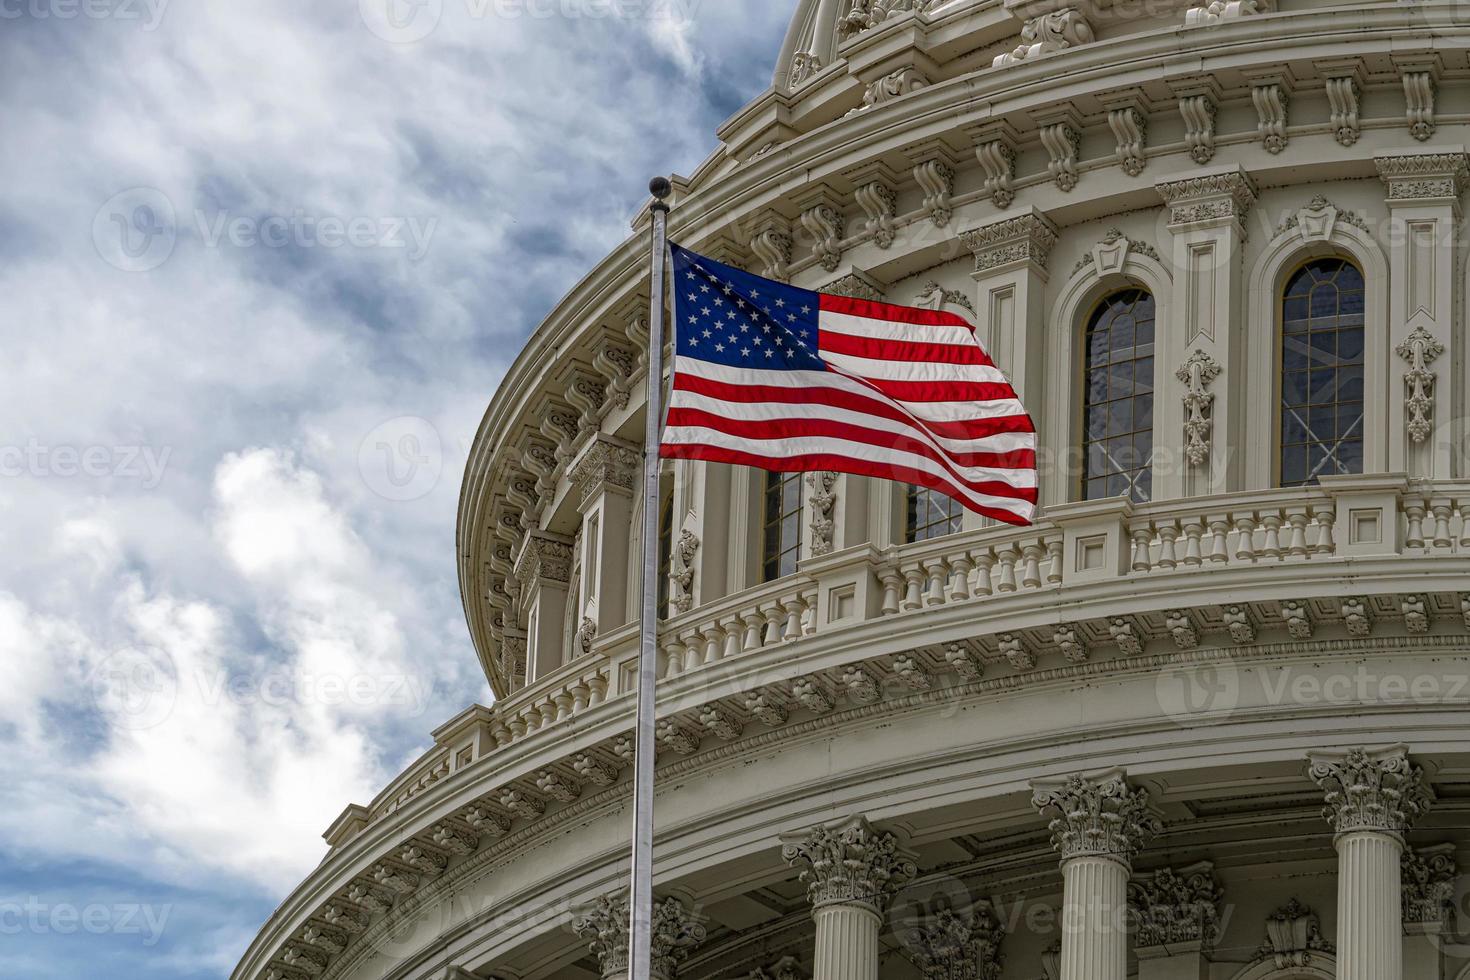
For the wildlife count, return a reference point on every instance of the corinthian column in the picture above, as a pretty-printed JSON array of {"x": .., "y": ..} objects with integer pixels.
[
  {"x": 1372, "y": 798},
  {"x": 1098, "y": 824},
  {"x": 850, "y": 870},
  {"x": 604, "y": 924}
]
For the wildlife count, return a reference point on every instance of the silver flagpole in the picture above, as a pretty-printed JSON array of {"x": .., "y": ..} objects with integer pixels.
[{"x": 641, "y": 903}]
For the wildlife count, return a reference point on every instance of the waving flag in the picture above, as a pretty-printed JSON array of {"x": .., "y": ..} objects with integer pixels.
[{"x": 781, "y": 378}]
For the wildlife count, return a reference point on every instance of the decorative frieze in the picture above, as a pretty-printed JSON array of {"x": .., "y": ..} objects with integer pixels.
[
  {"x": 1025, "y": 238},
  {"x": 1014, "y": 648},
  {"x": 616, "y": 364},
  {"x": 1428, "y": 177},
  {"x": 605, "y": 464},
  {"x": 485, "y": 820},
  {"x": 850, "y": 863},
  {"x": 1356, "y": 616},
  {"x": 1292, "y": 937},
  {"x": 804, "y": 67},
  {"x": 958, "y": 947},
  {"x": 1420, "y": 349},
  {"x": 720, "y": 723},
  {"x": 1298, "y": 619},
  {"x": 587, "y": 394},
  {"x": 522, "y": 803},
  {"x": 594, "y": 770},
  {"x": 1047, "y": 33},
  {"x": 1224, "y": 196},
  {"x": 864, "y": 15},
  {"x": 1125, "y": 635},
  {"x": 1378, "y": 791},
  {"x": 1196, "y": 374},
  {"x": 558, "y": 786},
  {"x": 1181, "y": 629},
  {"x": 1071, "y": 644},
  {"x": 1176, "y": 908},
  {"x": 857, "y": 285},
  {"x": 673, "y": 735},
  {"x": 1415, "y": 613},
  {"x": 1238, "y": 623},
  {"x": 605, "y": 926},
  {"x": 823, "y": 485},
  {"x": 329, "y": 941},
  {"x": 765, "y": 708},
  {"x": 971, "y": 667},
  {"x": 1096, "y": 816},
  {"x": 1427, "y": 877},
  {"x": 544, "y": 557},
  {"x": 347, "y": 918}
]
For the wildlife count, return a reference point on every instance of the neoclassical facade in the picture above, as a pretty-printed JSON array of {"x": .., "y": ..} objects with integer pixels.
[{"x": 1205, "y": 719}]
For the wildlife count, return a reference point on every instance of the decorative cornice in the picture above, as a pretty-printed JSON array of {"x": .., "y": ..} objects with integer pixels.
[
  {"x": 1226, "y": 196},
  {"x": 1423, "y": 177},
  {"x": 605, "y": 464},
  {"x": 1177, "y": 907},
  {"x": 1378, "y": 791},
  {"x": 1096, "y": 816},
  {"x": 1022, "y": 238},
  {"x": 544, "y": 557},
  {"x": 849, "y": 862}
]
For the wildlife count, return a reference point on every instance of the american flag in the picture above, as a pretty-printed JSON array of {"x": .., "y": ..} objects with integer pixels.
[{"x": 780, "y": 378}]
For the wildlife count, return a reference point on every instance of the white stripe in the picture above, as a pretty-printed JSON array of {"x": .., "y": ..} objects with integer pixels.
[
  {"x": 925, "y": 411},
  {"x": 872, "y": 329},
  {"x": 880, "y": 369},
  {"x": 795, "y": 448},
  {"x": 1000, "y": 442}
]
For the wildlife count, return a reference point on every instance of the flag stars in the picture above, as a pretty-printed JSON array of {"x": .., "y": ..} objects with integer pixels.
[
  {"x": 770, "y": 353},
  {"x": 745, "y": 352},
  {"x": 806, "y": 310}
]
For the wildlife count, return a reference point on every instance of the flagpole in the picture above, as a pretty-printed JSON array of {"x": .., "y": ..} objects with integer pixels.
[{"x": 641, "y": 902}]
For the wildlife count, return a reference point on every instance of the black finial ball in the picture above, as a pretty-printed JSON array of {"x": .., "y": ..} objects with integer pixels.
[{"x": 660, "y": 187}]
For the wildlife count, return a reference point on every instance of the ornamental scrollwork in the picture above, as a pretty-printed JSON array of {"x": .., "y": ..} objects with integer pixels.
[
  {"x": 850, "y": 863},
  {"x": 1056, "y": 31},
  {"x": 956, "y": 947},
  {"x": 1197, "y": 373},
  {"x": 1175, "y": 907},
  {"x": 1420, "y": 349},
  {"x": 1428, "y": 883},
  {"x": 1096, "y": 816},
  {"x": 683, "y": 575},
  {"x": 1292, "y": 936},
  {"x": 823, "y": 484},
  {"x": 604, "y": 925},
  {"x": 1380, "y": 791}
]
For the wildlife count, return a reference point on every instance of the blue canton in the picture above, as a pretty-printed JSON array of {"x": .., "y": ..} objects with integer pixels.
[{"x": 728, "y": 316}]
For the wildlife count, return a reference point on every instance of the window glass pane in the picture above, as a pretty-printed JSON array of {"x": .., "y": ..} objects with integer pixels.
[
  {"x": 782, "y": 531},
  {"x": 930, "y": 514},
  {"x": 1117, "y": 438},
  {"x": 1322, "y": 372}
]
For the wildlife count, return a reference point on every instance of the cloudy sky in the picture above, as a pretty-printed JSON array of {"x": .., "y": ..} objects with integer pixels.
[{"x": 262, "y": 266}]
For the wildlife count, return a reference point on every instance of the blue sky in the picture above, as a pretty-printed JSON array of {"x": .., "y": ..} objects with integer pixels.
[{"x": 262, "y": 266}]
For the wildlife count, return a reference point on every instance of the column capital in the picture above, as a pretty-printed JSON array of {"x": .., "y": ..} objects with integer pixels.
[
  {"x": 1377, "y": 791},
  {"x": 849, "y": 862},
  {"x": 544, "y": 557},
  {"x": 605, "y": 463},
  {"x": 1177, "y": 908},
  {"x": 959, "y": 947},
  {"x": 604, "y": 925},
  {"x": 1428, "y": 883},
  {"x": 1024, "y": 237},
  {"x": 1209, "y": 199},
  {"x": 1423, "y": 177},
  {"x": 1098, "y": 815}
]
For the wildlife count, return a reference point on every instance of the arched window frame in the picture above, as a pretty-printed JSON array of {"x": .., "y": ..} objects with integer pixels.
[
  {"x": 1061, "y": 421},
  {"x": 1085, "y": 369},
  {"x": 1279, "y": 260}
]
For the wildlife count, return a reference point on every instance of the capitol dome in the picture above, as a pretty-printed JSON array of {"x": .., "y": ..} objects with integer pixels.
[{"x": 1205, "y": 719}]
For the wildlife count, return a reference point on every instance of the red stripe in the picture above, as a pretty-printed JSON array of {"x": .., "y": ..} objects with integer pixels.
[
  {"x": 844, "y": 464},
  {"x": 939, "y": 391},
  {"x": 1020, "y": 459},
  {"x": 891, "y": 313},
  {"x": 901, "y": 350},
  {"x": 838, "y": 398}
]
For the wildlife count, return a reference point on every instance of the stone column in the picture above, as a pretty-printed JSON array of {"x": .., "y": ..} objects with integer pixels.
[
  {"x": 1098, "y": 824},
  {"x": 603, "y": 475},
  {"x": 1425, "y": 365},
  {"x": 1428, "y": 876},
  {"x": 1178, "y": 919},
  {"x": 851, "y": 870},
  {"x": 604, "y": 924},
  {"x": 1200, "y": 403},
  {"x": 1372, "y": 798}
]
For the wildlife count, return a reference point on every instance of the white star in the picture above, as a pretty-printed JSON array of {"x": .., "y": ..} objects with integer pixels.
[
  {"x": 791, "y": 317},
  {"x": 719, "y": 347},
  {"x": 765, "y": 328},
  {"x": 806, "y": 309},
  {"x": 707, "y": 333},
  {"x": 705, "y": 311},
  {"x": 740, "y": 303},
  {"x": 754, "y": 294},
  {"x": 769, "y": 352},
  {"x": 780, "y": 302},
  {"x": 734, "y": 340},
  {"x": 745, "y": 352},
  {"x": 693, "y": 319},
  {"x": 719, "y": 302},
  {"x": 790, "y": 352},
  {"x": 693, "y": 298},
  {"x": 690, "y": 275},
  {"x": 693, "y": 341},
  {"x": 728, "y": 289},
  {"x": 745, "y": 328},
  {"x": 757, "y": 341},
  {"x": 730, "y": 315},
  {"x": 704, "y": 288}
]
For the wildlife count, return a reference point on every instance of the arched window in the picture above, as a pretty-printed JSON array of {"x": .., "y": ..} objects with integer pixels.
[
  {"x": 931, "y": 514},
  {"x": 1118, "y": 410},
  {"x": 782, "y": 525},
  {"x": 1321, "y": 372}
]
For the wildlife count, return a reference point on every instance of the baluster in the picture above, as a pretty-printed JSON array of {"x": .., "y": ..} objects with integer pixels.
[
  {"x": 673, "y": 657},
  {"x": 1464, "y": 507},
  {"x": 1326, "y": 522},
  {"x": 1192, "y": 532},
  {"x": 693, "y": 649},
  {"x": 934, "y": 595},
  {"x": 548, "y": 709},
  {"x": 1143, "y": 541},
  {"x": 808, "y": 613},
  {"x": 794, "y": 608},
  {"x": 754, "y": 621},
  {"x": 1441, "y": 511},
  {"x": 1007, "y": 582},
  {"x": 1168, "y": 555},
  {"x": 581, "y": 696},
  {"x": 959, "y": 578},
  {"x": 733, "y": 628},
  {"x": 984, "y": 561},
  {"x": 1271, "y": 544},
  {"x": 1054, "y": 561},
  {"x": 774, "y": 615},
  {"x": 1298, "y": 546},
  {"x": 1031, "y": 568},
  {"x": 714, "y": 642},
  {"x": 1415, "y": 536},
  {"x": 913, "y": 596},
  {"x": 565, "y": 702},
  {"x": 598, "y": 685},
  {"x": 892, "y": 587},
  {"x": 1219, "y": 546},
  {"x": 517, "y": 726},
  {"x": 1245, "y": 538}
]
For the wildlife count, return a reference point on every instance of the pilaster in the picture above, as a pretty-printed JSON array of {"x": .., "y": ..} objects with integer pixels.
[
  {"x": 1178, "y": 921},
  {"x": 1427, "y": 361},
  {"x": 1428, "y": 880},
  {"x": 543, "y": 568},
  {"x": 1199, "y": 410},
  {"x": 603, "y": 476}
]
